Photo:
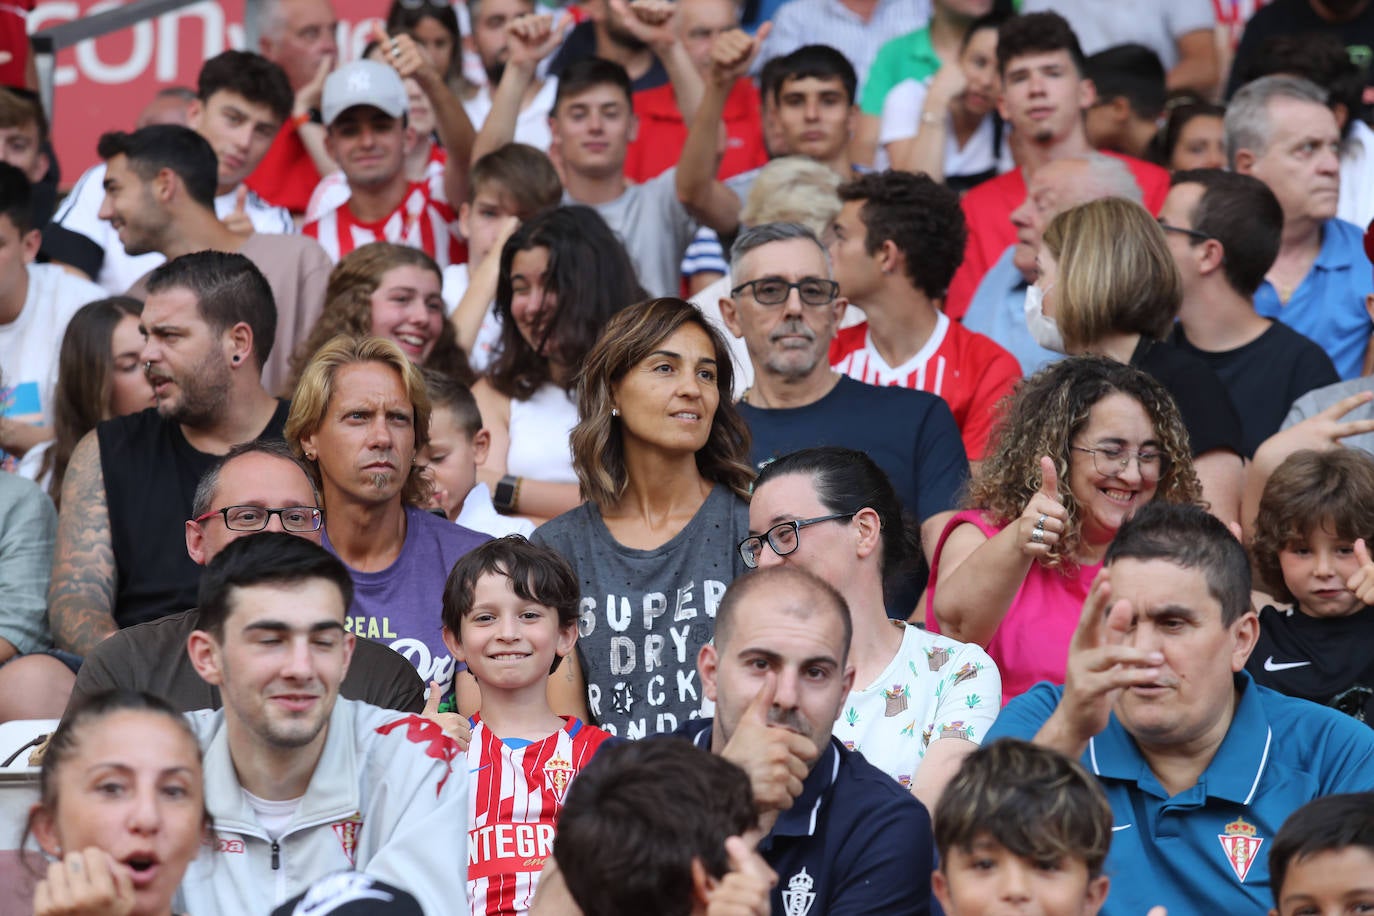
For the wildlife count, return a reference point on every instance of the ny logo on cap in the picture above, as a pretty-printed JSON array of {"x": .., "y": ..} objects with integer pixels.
[{"x": 359, "y": 82}]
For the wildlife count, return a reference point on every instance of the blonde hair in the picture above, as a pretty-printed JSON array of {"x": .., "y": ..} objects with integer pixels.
[
  {"x": 793, "y": 189},
  {"x": 1115, "y": 272},
  {"x": 314, "y": 391}
]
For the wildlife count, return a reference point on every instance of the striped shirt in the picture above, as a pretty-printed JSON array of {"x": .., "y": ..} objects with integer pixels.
[
  {"x": 515, "y": 793},
  {"x": 423, "y": 220}
]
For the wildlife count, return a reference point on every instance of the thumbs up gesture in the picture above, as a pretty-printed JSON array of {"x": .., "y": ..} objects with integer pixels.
[
  {"x": 744, "y": 889},
  {"x": 777, "y": 759},
  {"x": 454, "y": 725},
  {"x": 238, "y": 221},
  {"x": 1044, "y": 519},
  {"x": 733, "y": 52},
  {"x": 1362, "y": 581}
]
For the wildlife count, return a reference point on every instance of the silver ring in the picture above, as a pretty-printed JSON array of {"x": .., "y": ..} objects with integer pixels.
[
  {"x": 1040, "y": 522},
  {"x": 395, "y": 48},
  {"x": 1038, "y": 535}
]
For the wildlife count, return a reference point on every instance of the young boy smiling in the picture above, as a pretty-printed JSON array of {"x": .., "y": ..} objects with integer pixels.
[{"x": 510, "y": 613}]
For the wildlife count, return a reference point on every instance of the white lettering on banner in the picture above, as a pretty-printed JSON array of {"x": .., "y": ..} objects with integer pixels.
[
  {"x": 98, "y": 71},
  {"x": 213, "y": 36},
  {"x": 430, "y": 668}
]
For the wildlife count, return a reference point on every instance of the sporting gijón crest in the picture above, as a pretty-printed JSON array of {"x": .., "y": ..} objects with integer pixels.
[{"x": 1242, "y": 845}]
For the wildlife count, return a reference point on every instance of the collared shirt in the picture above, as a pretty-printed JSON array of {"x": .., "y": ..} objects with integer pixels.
[
  {"x": 909, "y": 56},
  {"x": 854, "y": 842},
  {"x": 1203, "y": 850},
  {"x": 998, "y": 309},
  {"x": 1328, "y": 305},
  {"x": 830, "y": 22}
]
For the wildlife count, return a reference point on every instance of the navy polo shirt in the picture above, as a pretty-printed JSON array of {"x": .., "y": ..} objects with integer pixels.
[
  {"x": 1206, "y": 850},
  {"x": 854, "y": 841}
]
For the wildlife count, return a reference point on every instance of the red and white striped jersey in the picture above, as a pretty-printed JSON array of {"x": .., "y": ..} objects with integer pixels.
[
  {"x": 424, "y": 220},
  {"x": 514, "y": 797},
  {"x": 970, "y": 371}
]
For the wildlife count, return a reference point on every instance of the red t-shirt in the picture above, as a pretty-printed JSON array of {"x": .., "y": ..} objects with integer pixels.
[
  {"x": 987, "y": 209},
  {"x": 662, "y": 133},
  {"x": 286, "y": 176},
  {"x": 970, "y": 371}
]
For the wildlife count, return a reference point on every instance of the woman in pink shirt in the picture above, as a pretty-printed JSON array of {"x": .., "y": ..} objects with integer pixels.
[{"x": 1082, "y": 445}]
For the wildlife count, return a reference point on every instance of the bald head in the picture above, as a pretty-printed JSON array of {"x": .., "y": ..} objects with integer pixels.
[{"x": 792, "y": 591}]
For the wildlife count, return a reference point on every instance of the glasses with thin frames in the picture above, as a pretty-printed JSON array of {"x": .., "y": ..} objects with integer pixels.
[
  {"x": 1112, "y": 460},
  {"x": 296, "y": 519},
  {"x": 814, "y": 291},
  {"x": 1193, "y": 234},
  {"x": 784, "y": 538}
]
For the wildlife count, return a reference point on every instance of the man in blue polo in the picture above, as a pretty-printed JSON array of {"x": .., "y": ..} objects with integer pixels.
[
  {"x": 1280, "y": 130},
  {"x": 843, "y": 837},
  {"x": 1200, "y": 764}
]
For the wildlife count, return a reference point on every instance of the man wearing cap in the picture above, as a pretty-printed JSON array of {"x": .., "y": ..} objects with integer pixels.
[{"x": 364, "y": 109}]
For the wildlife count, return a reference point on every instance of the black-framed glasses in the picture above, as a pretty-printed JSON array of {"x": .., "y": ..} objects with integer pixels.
[
  {"x": 814, "y": 291},
  {"x": 296, "y": 519},
  {"x": 1193, "y": 234},
  {"x": 784, "y": 538},
  {"x": 1111, "y": 460}
]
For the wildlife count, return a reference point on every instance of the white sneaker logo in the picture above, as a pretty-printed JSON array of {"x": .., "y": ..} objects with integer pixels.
[{"x": 1271, "y": 665}]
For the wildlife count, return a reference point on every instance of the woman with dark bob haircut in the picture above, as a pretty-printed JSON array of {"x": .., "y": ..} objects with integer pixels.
[
  {"x": 563, "y": 275},
  {"x": 661, "y": 454},
  {"x": 1081, "y": 446}
]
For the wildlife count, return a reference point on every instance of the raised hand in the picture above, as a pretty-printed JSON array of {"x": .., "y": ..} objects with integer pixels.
[
  {"x": 453, "y": 724},
  {"x": 310, "y": 95},
  {"x": 85, "y": 883},
  {"x": 238, "y": 221},
  {"x": 949, "y": 83},
  {"x": 651, "y": 21},
  {"x": 401, "y": 52},
  {"x": 776, "y": 759},
  {"x": 1100, "y": 665},
  {"x": 1044, "y": 519},
  {"x": 1362, "y": 581},
  {"x": 534, "y": 37},
  {"x": 743, "y": 891},
  {"x": 733, "y": 52}
]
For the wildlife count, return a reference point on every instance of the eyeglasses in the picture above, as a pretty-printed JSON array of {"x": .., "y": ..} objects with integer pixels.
[
  {"x": 775, "y": 290},
  {"x": 1112, "y": 460},
  {"x": 783, "y": 538},
  {"x": 1193, "y": 234},
  {"x": 296, "y": 519}
]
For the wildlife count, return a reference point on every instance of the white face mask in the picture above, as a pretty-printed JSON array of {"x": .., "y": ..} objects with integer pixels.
[{"x": 1042, "y": 328}]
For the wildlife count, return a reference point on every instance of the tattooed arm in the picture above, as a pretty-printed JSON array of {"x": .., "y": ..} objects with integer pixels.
[{"x": 81, "y": 596}]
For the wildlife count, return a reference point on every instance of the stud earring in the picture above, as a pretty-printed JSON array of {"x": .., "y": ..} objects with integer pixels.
[{"x": 615, "y": 411}]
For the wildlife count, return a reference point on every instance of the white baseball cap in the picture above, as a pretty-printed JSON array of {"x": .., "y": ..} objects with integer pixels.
[{"x": 363, "y": 82}]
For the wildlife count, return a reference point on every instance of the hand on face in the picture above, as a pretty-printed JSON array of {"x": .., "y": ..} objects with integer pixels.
[
  {"x": 85, "y": 883},
  {"x": 776, "y": 758}
]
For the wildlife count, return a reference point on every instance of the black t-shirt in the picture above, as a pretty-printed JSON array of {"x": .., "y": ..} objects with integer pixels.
[
  {"x": 1323, "y": 659},
  {"x": 581, "y": 43},
  {"x": 1294, "y": 17},
  {"x": 151, "y": 473},
  {"x": 910, "y": 434},
  {"x": 1265, "y": 376},
  {"x": 1206, "y": 408}
]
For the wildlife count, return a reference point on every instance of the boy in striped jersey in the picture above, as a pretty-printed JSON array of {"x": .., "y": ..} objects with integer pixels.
[{"x": 510, "y": 613}]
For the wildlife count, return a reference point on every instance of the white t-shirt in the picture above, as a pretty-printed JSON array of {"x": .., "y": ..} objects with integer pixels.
[
  {"x": 80, "y": 213},
  {"x": 273, "y": 816},
  {"x": 489, "y": 334},
  {"x": 901, "y": 119},
  {"x": 933, "y": 688},
  {"x": 1357, "y": 175},
  {"x": 30, "y": 344},
  {"x": 531, "y": 125}
]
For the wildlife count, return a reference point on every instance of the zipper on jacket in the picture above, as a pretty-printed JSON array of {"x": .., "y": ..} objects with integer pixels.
[{"x": 276, "y": 855}]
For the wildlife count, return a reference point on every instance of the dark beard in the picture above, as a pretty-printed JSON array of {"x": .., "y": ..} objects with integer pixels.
[
  {"x": 494, "y": 74},
  {"x": 623, "y": 38}
]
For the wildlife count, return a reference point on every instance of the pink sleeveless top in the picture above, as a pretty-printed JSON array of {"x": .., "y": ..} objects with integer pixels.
[{"x": 1032, "y": 643}]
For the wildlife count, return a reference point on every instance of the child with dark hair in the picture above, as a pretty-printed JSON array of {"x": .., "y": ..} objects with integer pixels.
[
  {"x": 510, "y": 614},
  {"x": 1323, "y": 858},
  {"x": 1315, "y": 520},
  {"x": 1022, "y": 820}
]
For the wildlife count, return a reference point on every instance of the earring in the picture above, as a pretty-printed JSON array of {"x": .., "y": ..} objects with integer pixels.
[
  {"x": 615, "y": 411},
  {"x": 237, "y": 358},
  {"x": 309, "y": 456}
]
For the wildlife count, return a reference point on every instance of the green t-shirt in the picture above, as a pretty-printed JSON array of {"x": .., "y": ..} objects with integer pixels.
[{"x": 909, "y": 56}]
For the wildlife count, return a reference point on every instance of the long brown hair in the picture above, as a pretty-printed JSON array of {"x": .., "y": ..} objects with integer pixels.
[
  {"x": 85, "y": 366},
  {"x": 597, "y": 444}
]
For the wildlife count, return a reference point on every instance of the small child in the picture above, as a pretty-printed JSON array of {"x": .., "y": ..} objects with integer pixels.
[
  {"x": 457, "y": 446},
  {"x": 1314, "y": 520},
  {"x": 1323, "y": 857},
  {"x": 1016, "y": 821},
  {"x": 510, "y": 613}
]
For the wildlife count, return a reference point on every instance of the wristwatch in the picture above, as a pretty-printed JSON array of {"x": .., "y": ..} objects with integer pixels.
[{"x": 507, "y": 495}]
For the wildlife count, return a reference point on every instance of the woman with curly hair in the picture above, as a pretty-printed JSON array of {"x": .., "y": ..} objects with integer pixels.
[
  {"x": 564, "y": 273},
  {"x": 1082, "y": 445},
  {"x": 1109, "y": 284},
  {"x": 389, "y": 291},
  {"x": 662, "y": 456}
]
